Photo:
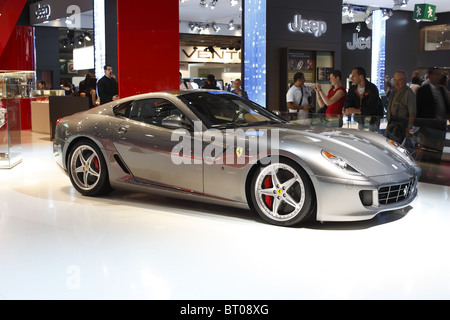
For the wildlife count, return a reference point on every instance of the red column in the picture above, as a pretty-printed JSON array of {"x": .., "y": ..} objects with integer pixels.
[
  {"x": 10, "y": 10},
  {"x": 148, "y": 46},
  {"x": 18, "y": 53}
]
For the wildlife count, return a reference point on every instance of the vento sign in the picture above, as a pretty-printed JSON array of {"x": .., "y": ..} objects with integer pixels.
[
  {"x": 209, "y": 54},
  {"x": 317, "y": 28}
]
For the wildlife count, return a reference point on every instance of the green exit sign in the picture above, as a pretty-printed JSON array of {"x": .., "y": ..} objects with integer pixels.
[{"x": 424, "y": 12}]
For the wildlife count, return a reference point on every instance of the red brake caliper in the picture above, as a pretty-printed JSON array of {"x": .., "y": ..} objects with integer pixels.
[
  {"x": 97, "y": 167},
  {"x": 268, "y": 184}
]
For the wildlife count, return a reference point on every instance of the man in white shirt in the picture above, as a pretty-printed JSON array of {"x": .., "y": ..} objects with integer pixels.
[{"x": 298, "y": 98}]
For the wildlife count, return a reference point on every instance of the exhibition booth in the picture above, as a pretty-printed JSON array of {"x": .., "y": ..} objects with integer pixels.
[{"x": 133, "y": 245}]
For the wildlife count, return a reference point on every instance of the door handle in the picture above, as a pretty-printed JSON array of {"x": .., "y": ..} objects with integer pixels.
[{"x": 122, "y": 130}]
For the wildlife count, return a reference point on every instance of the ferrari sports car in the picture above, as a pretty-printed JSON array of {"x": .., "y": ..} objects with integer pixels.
[{"x": 217, "y": 147}]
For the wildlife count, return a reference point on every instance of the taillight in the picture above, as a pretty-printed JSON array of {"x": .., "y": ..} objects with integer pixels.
[{"x": 57, "y": 121}]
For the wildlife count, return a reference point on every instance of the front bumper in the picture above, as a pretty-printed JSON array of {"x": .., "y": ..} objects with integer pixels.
[{"x": 349, "y": 200}]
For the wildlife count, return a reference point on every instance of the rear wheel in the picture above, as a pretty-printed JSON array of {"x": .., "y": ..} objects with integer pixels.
[
  {"x": 87, "y": 169},
  {"x": 282, "y": 193}
]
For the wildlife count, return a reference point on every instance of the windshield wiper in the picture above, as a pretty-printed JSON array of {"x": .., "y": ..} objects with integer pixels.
[
  {"x": 257, "y": 123},
  {"x": 227, "y": 125}
]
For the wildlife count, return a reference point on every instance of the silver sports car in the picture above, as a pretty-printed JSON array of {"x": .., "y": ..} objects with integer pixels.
[{"x": 218, "y": 147}]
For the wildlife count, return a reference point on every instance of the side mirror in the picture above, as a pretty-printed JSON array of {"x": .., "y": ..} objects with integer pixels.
[{"x": 175, "y": 122}]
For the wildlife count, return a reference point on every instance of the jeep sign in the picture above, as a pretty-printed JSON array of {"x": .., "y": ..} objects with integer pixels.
[{"x": 317, "y": 28}]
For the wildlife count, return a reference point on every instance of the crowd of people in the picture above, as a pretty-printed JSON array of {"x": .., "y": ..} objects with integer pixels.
[
  {"x": 417, "y": 105},
  {"x": 99, "y": 92}
]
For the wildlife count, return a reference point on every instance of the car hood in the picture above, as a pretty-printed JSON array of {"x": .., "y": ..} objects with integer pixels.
[{"x": 367, "y": 152}]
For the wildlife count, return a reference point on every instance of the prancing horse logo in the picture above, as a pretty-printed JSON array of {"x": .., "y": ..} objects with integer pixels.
[{"x": 239, "y": 151}]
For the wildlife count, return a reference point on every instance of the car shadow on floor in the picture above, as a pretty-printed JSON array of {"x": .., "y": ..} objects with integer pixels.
[
  {"x": 380, "y": 219},
  {"x": 197, "y": 208}
]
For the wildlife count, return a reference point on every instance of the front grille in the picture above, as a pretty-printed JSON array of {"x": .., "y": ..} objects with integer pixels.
[{"x": 395, "y": 193}]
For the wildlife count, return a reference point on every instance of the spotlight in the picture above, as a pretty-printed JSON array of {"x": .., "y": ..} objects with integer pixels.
[
  {"x": 65, "y": 42},
  {"x": 400, "y": 3},
  {"x": 80, "y": 40},
  {"x": 71, "y": 36},
  {"x": 203, "y": 4},
  {"x": 231, "y": 25},
  {"x": 87, "y": 36},
  {"x": 386, "y": 14},
  {"x": 351, "y": 15},
  {"x": 345, "y": 9},
  {"x": 358, "y": 27},
  {"x": 193, "y": 26},
  {"x": 215, "y": 27},
  {"x": 201, "y": 28},
  {"x": 213, "y": 4}
]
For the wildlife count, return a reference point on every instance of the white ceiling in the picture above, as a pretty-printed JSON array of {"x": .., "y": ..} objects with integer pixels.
[
  {"x": 190, "y": 10},
  {"x": 441, "y": 5}
]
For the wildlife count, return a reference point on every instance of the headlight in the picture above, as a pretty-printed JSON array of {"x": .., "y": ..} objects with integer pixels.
[
  {"x": 341, "y": 163},
  {"x": 402, "y": 150}
]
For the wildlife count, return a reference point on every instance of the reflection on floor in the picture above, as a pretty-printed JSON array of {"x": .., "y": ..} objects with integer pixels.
[
  {"x": 438, "y": 173},
  {"x": 56, "y": 244}
]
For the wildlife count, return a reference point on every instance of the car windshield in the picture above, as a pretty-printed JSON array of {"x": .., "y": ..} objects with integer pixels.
[{"x": 221, "y": 109}]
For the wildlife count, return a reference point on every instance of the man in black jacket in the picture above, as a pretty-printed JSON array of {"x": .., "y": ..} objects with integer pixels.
[
  {"x": 433, "y": 110},
  {"x": 363, "y": 100},
  {"x": 107, "y": 86}
]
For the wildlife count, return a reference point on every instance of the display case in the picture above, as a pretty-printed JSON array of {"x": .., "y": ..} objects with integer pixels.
[
  {"x": 17, "y": 84},
  {"x": 10, "y": 133}
]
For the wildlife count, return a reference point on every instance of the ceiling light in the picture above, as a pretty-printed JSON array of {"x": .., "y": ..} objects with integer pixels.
[
  {"x": 234, "y": 3},
  {"x": 213, "y": 4},
  {"x": 215, "y": 27},
  {"x": 203, "y": 4}
]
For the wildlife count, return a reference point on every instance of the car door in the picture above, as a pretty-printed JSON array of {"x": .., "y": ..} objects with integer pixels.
[{"x": 146, "y": 146}]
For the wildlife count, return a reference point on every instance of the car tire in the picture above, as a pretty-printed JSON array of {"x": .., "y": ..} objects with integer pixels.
[
  {"x": 87, "y": 169},
  {"x": 282, "y": 193}
]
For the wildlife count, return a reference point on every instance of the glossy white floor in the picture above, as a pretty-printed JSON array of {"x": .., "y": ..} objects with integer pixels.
[{"x": 56, "y": 244}]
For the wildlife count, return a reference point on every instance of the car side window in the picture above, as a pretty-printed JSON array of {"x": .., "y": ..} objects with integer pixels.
[
  {"x": 153, "y": 111},
  {"x": 123, "y": 109}
]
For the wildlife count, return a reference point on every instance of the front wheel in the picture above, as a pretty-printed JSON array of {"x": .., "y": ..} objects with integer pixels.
[
  {"x": 87, "y": 169},
  {"x": 282, "y": 193}
]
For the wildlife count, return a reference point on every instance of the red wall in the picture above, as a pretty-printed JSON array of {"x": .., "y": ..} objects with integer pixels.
[{"x": 148, "y": 46}]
